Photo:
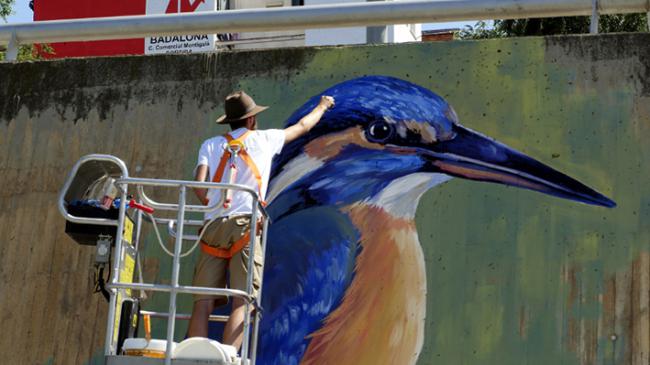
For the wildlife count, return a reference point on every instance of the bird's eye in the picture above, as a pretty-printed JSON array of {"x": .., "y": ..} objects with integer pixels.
[{"x": 379, "y": 131}]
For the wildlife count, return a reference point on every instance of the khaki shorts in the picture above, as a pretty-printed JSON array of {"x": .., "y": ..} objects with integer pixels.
[{"x": 210, "y": 271}]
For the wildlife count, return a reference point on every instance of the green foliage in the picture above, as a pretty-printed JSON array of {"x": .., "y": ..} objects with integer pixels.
[
  {"x": 551, "y": 26},
  {"x": 5, "y": 8},
  {"x": 481, "y": 30},
  {"x": 26, "y": 52},
  {"x": 545, "y": 26},
  {"x": 31, "y": 52},
  {"x": 623, "y": 23}
]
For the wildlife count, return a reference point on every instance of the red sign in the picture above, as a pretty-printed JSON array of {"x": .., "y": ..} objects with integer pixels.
[
  {"x": 187, "y": 6},
  {"x": 72, "y": 9}
]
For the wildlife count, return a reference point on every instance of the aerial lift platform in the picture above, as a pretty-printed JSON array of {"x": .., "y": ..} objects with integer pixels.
[{"x": 105, "y": 207}]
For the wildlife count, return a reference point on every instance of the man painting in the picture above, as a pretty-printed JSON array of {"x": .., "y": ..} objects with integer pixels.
[{"x": 228, "y": 226}]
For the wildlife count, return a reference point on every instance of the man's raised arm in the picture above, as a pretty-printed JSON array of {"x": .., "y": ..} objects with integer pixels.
[{"x": 308, "y": 122}]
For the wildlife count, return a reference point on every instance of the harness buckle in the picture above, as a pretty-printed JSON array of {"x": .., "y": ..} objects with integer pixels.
[{"x": 235, "y": 146}]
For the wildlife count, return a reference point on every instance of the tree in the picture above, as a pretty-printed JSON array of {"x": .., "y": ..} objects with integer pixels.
[
  {"x": 550, "y": 26},
  {"x": 5, "y": 8},
  {"x": 481, "y": 30},
  {"x": 26, "y": 52}
]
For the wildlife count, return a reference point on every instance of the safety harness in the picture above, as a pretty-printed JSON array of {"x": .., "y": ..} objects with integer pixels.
[{"x": 235, "y": 148}]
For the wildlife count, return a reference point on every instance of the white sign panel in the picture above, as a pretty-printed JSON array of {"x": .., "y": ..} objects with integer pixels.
[{"x": 188, "y": 43}]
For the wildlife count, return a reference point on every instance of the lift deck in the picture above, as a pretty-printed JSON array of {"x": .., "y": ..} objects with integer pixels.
[{"x": 97, "y": 204}]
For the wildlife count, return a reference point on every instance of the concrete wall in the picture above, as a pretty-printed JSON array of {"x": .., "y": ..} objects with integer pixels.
[{"x": 512, "y": 276}]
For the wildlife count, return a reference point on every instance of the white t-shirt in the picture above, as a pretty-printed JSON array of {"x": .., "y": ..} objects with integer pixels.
[{"x": 261, "y": 146}]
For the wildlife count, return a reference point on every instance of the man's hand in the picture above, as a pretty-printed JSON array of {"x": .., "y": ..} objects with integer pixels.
[
  {"x": 308, "y": 122},
  {"x": 326, "y": 101}
]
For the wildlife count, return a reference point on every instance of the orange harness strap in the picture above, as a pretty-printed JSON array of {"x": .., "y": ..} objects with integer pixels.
[
  {"x": 226, "y": 156},
  {"x": 227, "y": 253},
  {"x": 218, "y": 176}
]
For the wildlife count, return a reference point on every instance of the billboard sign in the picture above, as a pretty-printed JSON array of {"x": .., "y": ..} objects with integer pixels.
[{"x": 188, "y": 43}]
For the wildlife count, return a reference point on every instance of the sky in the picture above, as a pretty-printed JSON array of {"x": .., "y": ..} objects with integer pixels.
[{"x": 23, "y": 14}]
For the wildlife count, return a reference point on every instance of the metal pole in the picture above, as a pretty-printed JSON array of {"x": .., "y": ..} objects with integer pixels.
[
  {"x": 136, "y": 244},
  {"x": 593, "y": 25},
  {"x": 182, "y": 289},
  {"x": 249, "y": 280},
  {"x": 306, "y": 17},
  {"x": 258, "y": 314},
  {"x": 12, "y": 48},
  {"x": 211, "y": 318},
  {"x": 138, "y": 230},
  {"x": 176, "y": 263},
  {"x": 115, "y": 273}
]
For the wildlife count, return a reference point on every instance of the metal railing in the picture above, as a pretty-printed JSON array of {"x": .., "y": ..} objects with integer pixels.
[
  {"x": 174, "y": 288},
  {"x": 183, "y": 316},
  {"x": 306, "y": 17}
]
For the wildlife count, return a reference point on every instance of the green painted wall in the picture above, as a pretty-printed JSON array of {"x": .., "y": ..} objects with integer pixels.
[{"x": 513, "y": 276}]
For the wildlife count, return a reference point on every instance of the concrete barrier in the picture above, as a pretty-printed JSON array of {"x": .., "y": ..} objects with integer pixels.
[{"x": 511, "y": 276}]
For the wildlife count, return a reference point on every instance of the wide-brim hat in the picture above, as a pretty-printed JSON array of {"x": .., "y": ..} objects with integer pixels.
[{"x": 238, "y": 106}]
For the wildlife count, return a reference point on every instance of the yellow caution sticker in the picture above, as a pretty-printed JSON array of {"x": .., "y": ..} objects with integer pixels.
[
  {"x": 128, "y": 230},
  {"x": 118, "y": 311},
  {"x": 126, "y": 276}
]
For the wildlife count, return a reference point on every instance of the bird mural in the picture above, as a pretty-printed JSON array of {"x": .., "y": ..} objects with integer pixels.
[{"x": 345, "y": 279}]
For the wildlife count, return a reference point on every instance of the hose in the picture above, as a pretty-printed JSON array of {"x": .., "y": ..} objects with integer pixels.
[{"x": 162, "y": 245}]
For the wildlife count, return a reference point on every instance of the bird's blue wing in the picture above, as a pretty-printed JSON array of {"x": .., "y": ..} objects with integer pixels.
[{"x": 309, "y": 264}]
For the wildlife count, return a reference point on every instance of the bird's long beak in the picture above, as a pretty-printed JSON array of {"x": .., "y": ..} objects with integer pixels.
[{"x": 473, "y": 156}]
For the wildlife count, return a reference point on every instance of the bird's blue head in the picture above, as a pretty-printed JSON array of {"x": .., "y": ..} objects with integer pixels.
[{"x": 389, "y": 133}]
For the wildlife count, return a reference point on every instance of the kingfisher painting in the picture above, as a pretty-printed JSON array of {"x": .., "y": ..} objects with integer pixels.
[{"x": 345, "y": 277}]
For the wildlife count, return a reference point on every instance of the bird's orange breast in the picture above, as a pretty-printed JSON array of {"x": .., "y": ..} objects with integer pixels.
[{"x": 381, "y": 317}]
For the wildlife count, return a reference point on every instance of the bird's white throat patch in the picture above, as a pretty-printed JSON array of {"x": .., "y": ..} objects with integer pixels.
[
  {"x": 400, "y": 198},
  {"x": 293, "y": 171}
]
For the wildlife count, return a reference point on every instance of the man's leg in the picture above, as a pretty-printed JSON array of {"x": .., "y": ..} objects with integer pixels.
[
  {"x": 233, "y": 333},
  {"x": 199, "y": 321},
  {"x": 210, "y": 272}
]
